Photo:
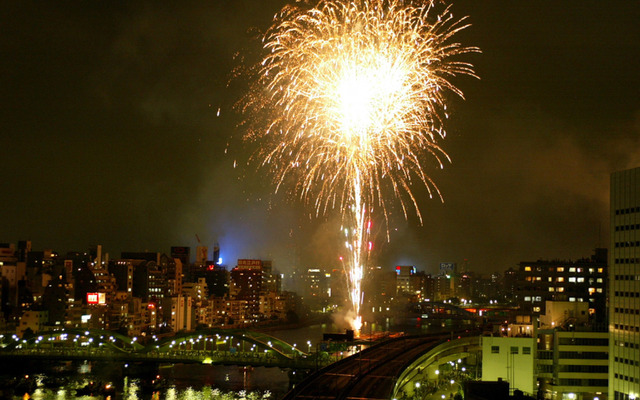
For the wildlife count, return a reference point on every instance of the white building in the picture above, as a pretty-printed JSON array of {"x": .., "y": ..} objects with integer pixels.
[
  {"x": 510, "y": 359},
  {"x": 624, "y": 286},
  {"x": 34, "y": 320},
  {"x": 179, "y": 312}
]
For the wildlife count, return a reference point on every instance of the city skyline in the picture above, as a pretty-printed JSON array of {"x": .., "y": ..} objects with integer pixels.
[{"x": 119, "y": 130}]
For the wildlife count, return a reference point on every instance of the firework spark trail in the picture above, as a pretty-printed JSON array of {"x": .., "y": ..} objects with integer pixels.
[{"x": 353, "y": 92}]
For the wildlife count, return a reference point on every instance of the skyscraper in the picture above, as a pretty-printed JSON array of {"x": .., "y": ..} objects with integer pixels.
[{"x": 624, "y": 290}]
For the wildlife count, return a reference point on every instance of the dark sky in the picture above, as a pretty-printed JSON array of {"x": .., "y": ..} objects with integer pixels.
[{"x": 110, "y": 134}]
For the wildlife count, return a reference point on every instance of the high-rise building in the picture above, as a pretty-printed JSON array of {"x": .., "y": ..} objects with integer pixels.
[
  {"x": 403, "y": 278},
  {"x": 624, "y": 286},
  {"x": 247, "y": 280},
  {"x": 584, "y": 280}
]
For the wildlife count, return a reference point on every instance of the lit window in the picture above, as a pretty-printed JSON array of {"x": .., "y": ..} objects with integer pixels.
[
  {"x": 560, "y": 269},
  {"x": 536, "y": 309},
  {"x": 527, "y": 268},
  {"x": 580, "y": 279},
  {"x": 572, "y": 269},
  {"x": 560, "y": 279},
  {"x": 572, "y": 279},
  {"x": 552, "y": 289},
  {"x": 572, "y": 299},
  {"x": 600, "y": 270},
  {"x": 560, "y": 289}
]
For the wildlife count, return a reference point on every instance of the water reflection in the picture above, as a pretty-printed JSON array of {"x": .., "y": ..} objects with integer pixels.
[
  {"x": 183, "y": 381},
  {"x": 133, "y": 390}
]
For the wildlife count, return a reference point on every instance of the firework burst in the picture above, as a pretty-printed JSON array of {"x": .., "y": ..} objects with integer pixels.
[{"x": 350, "y": 103}]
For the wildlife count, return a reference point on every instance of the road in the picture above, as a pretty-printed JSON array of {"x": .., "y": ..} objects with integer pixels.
[{"x": 369, "y": 374}]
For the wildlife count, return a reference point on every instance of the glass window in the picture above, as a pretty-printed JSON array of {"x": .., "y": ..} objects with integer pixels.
[
  {"x": 495, "y": 349},
  {"x": 514, "y": 349},
  {"x": 526, "y": 350}
]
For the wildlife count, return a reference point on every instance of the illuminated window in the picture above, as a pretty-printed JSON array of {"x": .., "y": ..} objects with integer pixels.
[
  {"x": 552, "y": 289},
  {"x": 572, "y": 269},
  {"x": 600, "y": 270},
  {"x": 560, "y": 289},
  {"x": 538, "y": 278},
  {"x": 572, "y": 279},
  {"x": 592, "y": 290},
  {"x": 599, "y": 290},
  {"x": 527, "y": 268},
  {"x": 560, "y": 269},
  {"x": 580, "y": 279},
  {"x": 572, "y": 299},
  {"x": 560, "y": 279},
  {"x": 536, "y": 309}
]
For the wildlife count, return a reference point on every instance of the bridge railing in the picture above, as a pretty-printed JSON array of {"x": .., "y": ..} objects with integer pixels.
[{"x": 312, "y": 361}]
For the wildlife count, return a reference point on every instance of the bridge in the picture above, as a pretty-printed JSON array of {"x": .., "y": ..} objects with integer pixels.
[
  {"x": 211, "y": 346},
  {"x": 391, "y": 369}
]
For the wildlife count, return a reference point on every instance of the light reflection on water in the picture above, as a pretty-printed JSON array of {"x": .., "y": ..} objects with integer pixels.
[
  {"x": 200, "y": 382},
  {"x": 133, "y": 392}
]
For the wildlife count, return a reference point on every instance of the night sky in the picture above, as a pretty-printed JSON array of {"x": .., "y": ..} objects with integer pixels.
[{"x": 111, "y": 135}]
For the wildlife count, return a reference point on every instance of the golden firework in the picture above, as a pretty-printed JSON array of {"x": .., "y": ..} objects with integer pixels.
[{"x": 353, "y": 95}]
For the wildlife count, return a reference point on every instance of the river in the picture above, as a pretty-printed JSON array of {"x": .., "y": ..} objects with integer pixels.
[{"x": 180, "y": 381}]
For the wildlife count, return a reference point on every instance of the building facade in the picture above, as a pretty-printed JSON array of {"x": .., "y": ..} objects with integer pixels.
[
  {"x": 624, "y": 286},
  {"x": 583, "y": 280}
]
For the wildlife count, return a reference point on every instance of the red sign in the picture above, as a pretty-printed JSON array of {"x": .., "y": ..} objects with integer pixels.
[
  {"x": 96, "y": 298},
  {"x": 92, "y": 298}
]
